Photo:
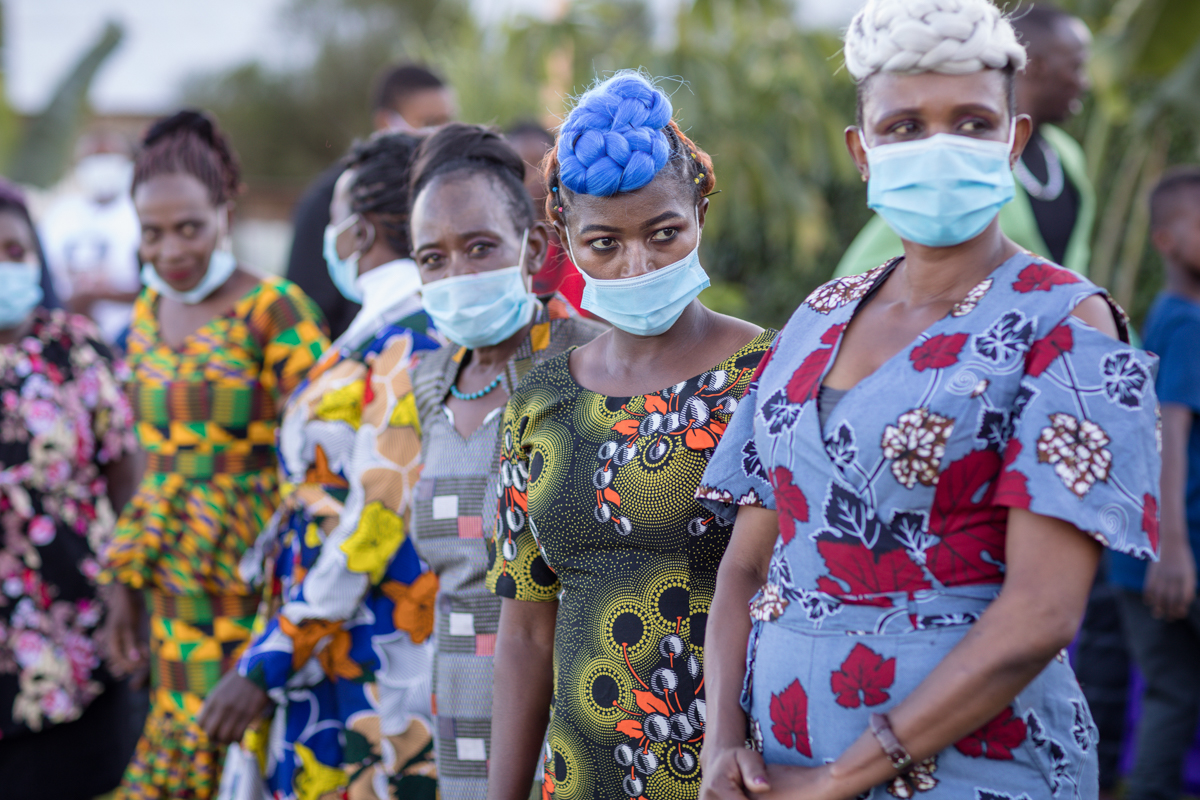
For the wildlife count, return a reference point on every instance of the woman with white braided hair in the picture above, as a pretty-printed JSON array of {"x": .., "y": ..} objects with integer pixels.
[{"x": 923, "y": 474}]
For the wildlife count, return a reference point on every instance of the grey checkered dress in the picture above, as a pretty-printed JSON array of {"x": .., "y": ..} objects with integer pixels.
[{"x": 452, "y": 513}]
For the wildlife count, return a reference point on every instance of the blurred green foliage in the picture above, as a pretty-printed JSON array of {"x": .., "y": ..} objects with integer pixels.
[{"x": 765, "y": 96}]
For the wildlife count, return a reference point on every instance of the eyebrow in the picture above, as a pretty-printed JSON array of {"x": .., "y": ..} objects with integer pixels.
[
  {"x": 966, "y": 108},
  {"x": 466, "y": 235},
  {"x": 650, "y": 223}
]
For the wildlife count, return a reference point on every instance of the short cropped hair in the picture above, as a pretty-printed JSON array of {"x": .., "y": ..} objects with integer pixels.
[
  {"x": 399, "y": 82},
  {"x": 1178, "y": 185}
]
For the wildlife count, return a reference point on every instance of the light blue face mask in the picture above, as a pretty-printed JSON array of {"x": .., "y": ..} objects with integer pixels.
[
  {"x": 482, "y": 309},
  {"x": 942, "y": 190},
  {"x": 342, "y": 271},
  {"x": 20, "y": 291},
  {"x": 221, "y": 264},
  {"x": 649, "y": 304}
]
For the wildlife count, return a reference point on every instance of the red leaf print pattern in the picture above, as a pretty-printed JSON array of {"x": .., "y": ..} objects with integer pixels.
[
  {"x": 1043, "y": 352},
  {"x": 969, "y": 523},
  {"x": 762, "y": 364},
  {"x": 791, "y": 502},
  {"x": 1150, "y": 519},
  {"x": 806, "y": 380},
  {"x": 863, "y": 678},
  {"x": 858, "y": 568},
  {"x": 995, "y": 740},
  {"x": 1012, "y": 487},
  {"x": 789, "y": 713},
  {"x": 938, "y": 352},
  {"x": 1042, "y": 277}
]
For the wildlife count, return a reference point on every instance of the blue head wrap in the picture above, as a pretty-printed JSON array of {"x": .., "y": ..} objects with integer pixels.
[{"x": 613, "y": 140}]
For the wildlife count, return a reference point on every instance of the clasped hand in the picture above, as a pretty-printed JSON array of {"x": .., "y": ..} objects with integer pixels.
[{"x": 737, "y": 773}]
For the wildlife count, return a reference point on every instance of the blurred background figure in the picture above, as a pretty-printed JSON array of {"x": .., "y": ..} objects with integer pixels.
[
  {"x": 557, "y": 274},
  {"x": 406, "y": 98},
  {"x": 1055, "y": 207},
  {"x": 91, "y": 235},
  {"x": 65, "y": 450}
]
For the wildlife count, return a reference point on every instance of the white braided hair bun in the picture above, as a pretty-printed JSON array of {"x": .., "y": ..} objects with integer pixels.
[{"x": 956, "y": 37}]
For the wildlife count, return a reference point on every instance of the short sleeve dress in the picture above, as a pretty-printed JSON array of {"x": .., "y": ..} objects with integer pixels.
[
  {"x": 597, "y": 510},
  {"x": 893, "y": 517},
  {"x": 206, "y": 416}
]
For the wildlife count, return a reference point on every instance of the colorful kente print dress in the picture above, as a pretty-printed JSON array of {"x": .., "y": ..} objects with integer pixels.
[
  {"x": 63, "y": 416},
  {"x": 597, "y": 510},
  {"x": 206, "y": 416},
  {"x": 342, "y": 645},
  {"x": 893, "y": 518},
  {"x": 453, "y": 512}
]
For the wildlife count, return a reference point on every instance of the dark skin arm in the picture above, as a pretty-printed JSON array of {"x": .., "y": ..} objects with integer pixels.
[
  {"x": 743, "y": 572},
  {"x": 525, "y": 660},
  {"x": 1050, "y": 570},
  {"x": 1171, "y": 581}
]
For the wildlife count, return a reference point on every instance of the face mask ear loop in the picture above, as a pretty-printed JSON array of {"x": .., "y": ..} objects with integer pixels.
[{"x": 521, "y": 262}]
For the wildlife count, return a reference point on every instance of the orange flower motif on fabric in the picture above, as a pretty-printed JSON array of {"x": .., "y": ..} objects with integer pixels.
[
  {"x": 414, "y": 605},
  {"x": 334, "y": 658}
]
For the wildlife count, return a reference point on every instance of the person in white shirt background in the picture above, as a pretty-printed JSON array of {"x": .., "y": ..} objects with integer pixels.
[{"x": 91, "y": 235}]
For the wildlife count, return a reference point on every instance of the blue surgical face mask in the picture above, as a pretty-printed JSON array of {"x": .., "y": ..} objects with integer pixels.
[
  {"x": 221, "y": 265},
  {"x": 649, "y": 304},
  {"x": 942, "y": 190},
  {"x": 482, "y": 309},
  {"x": 343, "y": 271},
  {"x": 20, "y": 291}
]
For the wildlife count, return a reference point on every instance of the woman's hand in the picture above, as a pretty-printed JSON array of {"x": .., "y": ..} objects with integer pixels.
[
  {"x": 734, "y": 773},
  {"x": 123, "y": 630},
  {"x": 230, "y": 707},
  {"x": 802, "y": 783}
]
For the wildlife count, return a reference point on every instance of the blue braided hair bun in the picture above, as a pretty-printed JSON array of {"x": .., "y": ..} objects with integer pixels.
[{"x": 613, "y": 140}]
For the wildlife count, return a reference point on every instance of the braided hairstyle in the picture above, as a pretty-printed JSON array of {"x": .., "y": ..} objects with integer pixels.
[
  {"x": 618, "y": 138},
  {"x": 954, "y": 37},
  {"x": 190, "y": 142},
  {"x": 474, "y": 150},
  {"x": 382, "y": 166}
]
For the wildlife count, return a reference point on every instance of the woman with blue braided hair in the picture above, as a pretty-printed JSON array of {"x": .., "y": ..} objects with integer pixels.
[{"x": 605, "y": 562}]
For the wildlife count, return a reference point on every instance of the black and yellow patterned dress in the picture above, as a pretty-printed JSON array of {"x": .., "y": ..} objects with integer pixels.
[{"x": 597, "y": 510}]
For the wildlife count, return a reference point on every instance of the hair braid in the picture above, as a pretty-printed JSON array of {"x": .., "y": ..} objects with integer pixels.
[
  {"x": 190, "y": 142},
  {"x": 382, "y": 168},
  {"x": 607, "y": 145}
]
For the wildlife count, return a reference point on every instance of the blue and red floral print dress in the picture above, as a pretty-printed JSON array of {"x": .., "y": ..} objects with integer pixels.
[{"x": 892, "y": 519}]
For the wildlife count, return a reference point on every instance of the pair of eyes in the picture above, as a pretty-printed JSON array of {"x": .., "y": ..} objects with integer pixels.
[
  {"x": 482, "y": 249},
  {"x": 973, "y": 126},
  {"x": 188, "y": 230}
]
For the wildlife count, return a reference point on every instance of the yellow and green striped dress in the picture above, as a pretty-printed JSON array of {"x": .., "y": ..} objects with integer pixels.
[{"x": 206, "y": 415}]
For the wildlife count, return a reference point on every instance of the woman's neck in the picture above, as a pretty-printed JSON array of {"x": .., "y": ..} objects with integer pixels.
[
  {"x": 17, "y": 332},
  {"x": 626, "y": 355},
  {"x": 945, "y": 274},
  {"x": 493, "y": 357},
  {"x": 1183, "y": 282}
]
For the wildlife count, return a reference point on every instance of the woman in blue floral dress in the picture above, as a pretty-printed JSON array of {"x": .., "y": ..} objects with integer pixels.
[{"x": 925, "y": 470}]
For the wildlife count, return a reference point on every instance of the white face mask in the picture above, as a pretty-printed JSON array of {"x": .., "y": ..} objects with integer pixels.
[
  {"x": 221, "y": 265},
  {"x": 649, "y": 304}
]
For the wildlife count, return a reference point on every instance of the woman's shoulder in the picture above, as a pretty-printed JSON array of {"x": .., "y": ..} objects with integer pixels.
[{"x": 276, "y": 304}]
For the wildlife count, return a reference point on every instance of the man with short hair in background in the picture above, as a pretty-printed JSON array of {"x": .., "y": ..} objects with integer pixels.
[{"x": 407, "y": 98}]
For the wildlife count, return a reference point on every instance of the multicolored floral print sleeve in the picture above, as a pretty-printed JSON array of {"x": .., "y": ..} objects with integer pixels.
[
  {"x": 342, "y": 642},
  {"x": 893, "y": 515},
  {"x": 62, "y": 417},
  {"x": 596, "y": 509}
]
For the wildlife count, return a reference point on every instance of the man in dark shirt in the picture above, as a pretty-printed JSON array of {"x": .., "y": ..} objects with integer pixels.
[{"x": 407, "y": 97}]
